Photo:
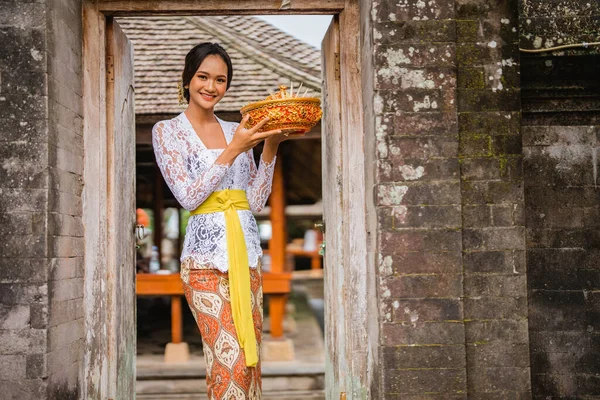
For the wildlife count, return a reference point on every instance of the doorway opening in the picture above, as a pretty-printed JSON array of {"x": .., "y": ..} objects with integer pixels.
[{"x": 109, "y": 133}]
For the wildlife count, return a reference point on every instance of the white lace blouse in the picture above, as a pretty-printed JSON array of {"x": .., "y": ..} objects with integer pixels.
[{"x": 190, "y": 171}]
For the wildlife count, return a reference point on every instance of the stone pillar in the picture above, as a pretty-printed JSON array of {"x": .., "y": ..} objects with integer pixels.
[
  {"x": 41, "y": 147},
  {"x": 495, "y": 282},
  {"x": 418, "y": 201}
]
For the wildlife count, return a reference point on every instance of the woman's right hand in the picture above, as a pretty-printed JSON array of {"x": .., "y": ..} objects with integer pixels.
[{"x": 245, "y": 139}]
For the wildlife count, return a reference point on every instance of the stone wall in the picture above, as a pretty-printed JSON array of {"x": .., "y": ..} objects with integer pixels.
[
  {"x": 561, "y": 128},
  {"x": 419, "y": 201},
  {"x": 40, "y": 205},
  {"x": 450, "y": 200}
]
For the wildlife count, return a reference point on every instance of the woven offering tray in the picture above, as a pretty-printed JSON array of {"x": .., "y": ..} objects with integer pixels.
[{"x": 291, "y": 112}]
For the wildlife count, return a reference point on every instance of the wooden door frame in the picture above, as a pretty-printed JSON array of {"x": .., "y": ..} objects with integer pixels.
[{"x": 355, "y": 374}]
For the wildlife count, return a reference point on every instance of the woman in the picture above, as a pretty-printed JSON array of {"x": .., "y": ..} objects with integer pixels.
[{"x": 208, "y": 165}]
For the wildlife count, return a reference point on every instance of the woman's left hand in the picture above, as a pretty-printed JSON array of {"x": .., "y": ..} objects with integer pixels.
[{"x": 274, "y": 140}]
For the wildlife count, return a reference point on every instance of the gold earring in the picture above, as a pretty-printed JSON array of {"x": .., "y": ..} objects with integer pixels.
[{"x": 180, "y": 95}]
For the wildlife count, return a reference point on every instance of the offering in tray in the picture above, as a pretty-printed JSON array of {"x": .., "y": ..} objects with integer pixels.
[{"x": 289, "y": 111}]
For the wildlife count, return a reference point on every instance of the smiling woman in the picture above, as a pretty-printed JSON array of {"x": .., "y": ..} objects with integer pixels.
[{"x": 209, "y": 167}]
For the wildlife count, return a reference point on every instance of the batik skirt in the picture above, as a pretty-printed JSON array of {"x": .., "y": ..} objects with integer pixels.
[{"x": 207, "y": 293}]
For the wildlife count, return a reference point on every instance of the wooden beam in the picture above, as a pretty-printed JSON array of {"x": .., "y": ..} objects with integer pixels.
[
  {"x": 219, "y": 7},
  {"x": 170, "y": 284}
]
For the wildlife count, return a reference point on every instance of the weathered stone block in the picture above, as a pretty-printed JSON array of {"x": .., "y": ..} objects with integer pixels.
[
  {"x": 27, "y": 50},
  {"x": 65, "y": 225},
  {"x": 492, "y": 192},
  {"x": 416, "y": 55},
  {"x": 443, "y": 333},
  {"x": 412, "y": 11},
  {"x": 497, "y": 354},
  {"x": 415, "y": 32},
  {"x": 421, "y": 170},
  {"x": 567, "y": 29},
  {"x": 493, "y": 123},
  {"x": 14, "y": 316},
  {"x": 23, "y": 341},
  {"x": 16, "y": 224},
  {"x": 21, "y": 130},
  {"x": 24, "y": 389},
  {"x": 391, "y": 75},
  {"x": 494, "y": 239},
  {"x": 36, "y": 366},
  {"x": 405, "y": 357},
  {"x": 412, "y": 100},
  {"x": 391, "y": 218},
  {"x": 495, "y": 285},
  {"x": 66, "y": 289},
  {"x": 22, "y": 15},
  {"x": 17, "y": 174},
  {"x": 66, "y": 268},
  {"x": 420, "y": 381},
  {"x": 489, "y": 308},
  {"x": 30, "y": 270},
  {"x": 427, "y": 310},
  {"x": 64, "y": 356},
  {"x": 23, "y": 293},
  {"x": 419, "y": 240},
  {"x": 438, "y": 193},
  {"x": 501, "y": 262},
  {"x": 569, "y": 238},
  {"x": 419, "y": 193},
  {"x": 64, "y": 335},
  {"x": 474, "y": 169},
  {"x": 426, "y": 148},
  {"x": 482, "y": 216},
  {"x": 22, "y": 107},
  {"x": 23, "y": 246},
  {"x": 471, "y": 78},
  {"x": 425, "y": 123},
  {"x": 567, "y": 310},
  {"x": 425, "y": 286},
  {"x": 474, "y": 100},
  {"x": 62, "y": 312},
  {"x": 39, "y": 316},
  {"x": 507, "y": 331},
  {"x": 12, "y": 367},
  {"x": 513, "y": 379},
  {"x": 425, "y": 262}
]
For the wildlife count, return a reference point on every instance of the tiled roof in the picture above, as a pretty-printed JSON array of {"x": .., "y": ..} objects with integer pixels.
[{"x": 262, "y": 56}]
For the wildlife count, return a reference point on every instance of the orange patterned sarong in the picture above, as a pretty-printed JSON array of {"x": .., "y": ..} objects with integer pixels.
[{"x": 207, "y": 293}]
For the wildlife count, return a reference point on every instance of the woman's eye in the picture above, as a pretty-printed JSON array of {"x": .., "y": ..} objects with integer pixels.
[
  {"x": 202, "y": 77},
  {"x": 221, "y": 80}
]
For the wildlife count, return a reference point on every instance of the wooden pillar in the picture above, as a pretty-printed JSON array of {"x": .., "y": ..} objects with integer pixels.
[
  {"x": 277, "y": 248},
  {"x": 176, "y": 320}
]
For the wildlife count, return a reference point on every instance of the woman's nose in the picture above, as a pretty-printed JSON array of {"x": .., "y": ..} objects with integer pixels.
[{"x": 210, "y": 85}]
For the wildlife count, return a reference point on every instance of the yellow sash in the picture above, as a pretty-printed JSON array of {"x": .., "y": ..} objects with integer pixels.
[{"x": 229, "y": 201}]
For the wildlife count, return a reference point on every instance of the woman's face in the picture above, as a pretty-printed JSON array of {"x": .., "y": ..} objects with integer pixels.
[{"x": 208, "y": 86}]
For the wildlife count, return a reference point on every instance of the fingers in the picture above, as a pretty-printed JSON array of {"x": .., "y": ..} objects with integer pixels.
[
  {"x": 264, "y": 135},
  {"x": 257, "y": 127}
]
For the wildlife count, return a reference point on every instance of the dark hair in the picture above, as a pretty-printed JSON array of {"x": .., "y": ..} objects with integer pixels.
[{"x": 194, "y": 58}]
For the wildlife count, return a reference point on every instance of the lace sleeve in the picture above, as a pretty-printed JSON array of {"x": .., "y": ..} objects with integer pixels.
[
  {"x": 261, "y": 180},
  {"x": 189, "y": 192}
]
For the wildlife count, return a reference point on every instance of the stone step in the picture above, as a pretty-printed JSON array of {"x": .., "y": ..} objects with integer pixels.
[
  {"x": 287, "y": 395},
  {"x": 187, "y": 381}
]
